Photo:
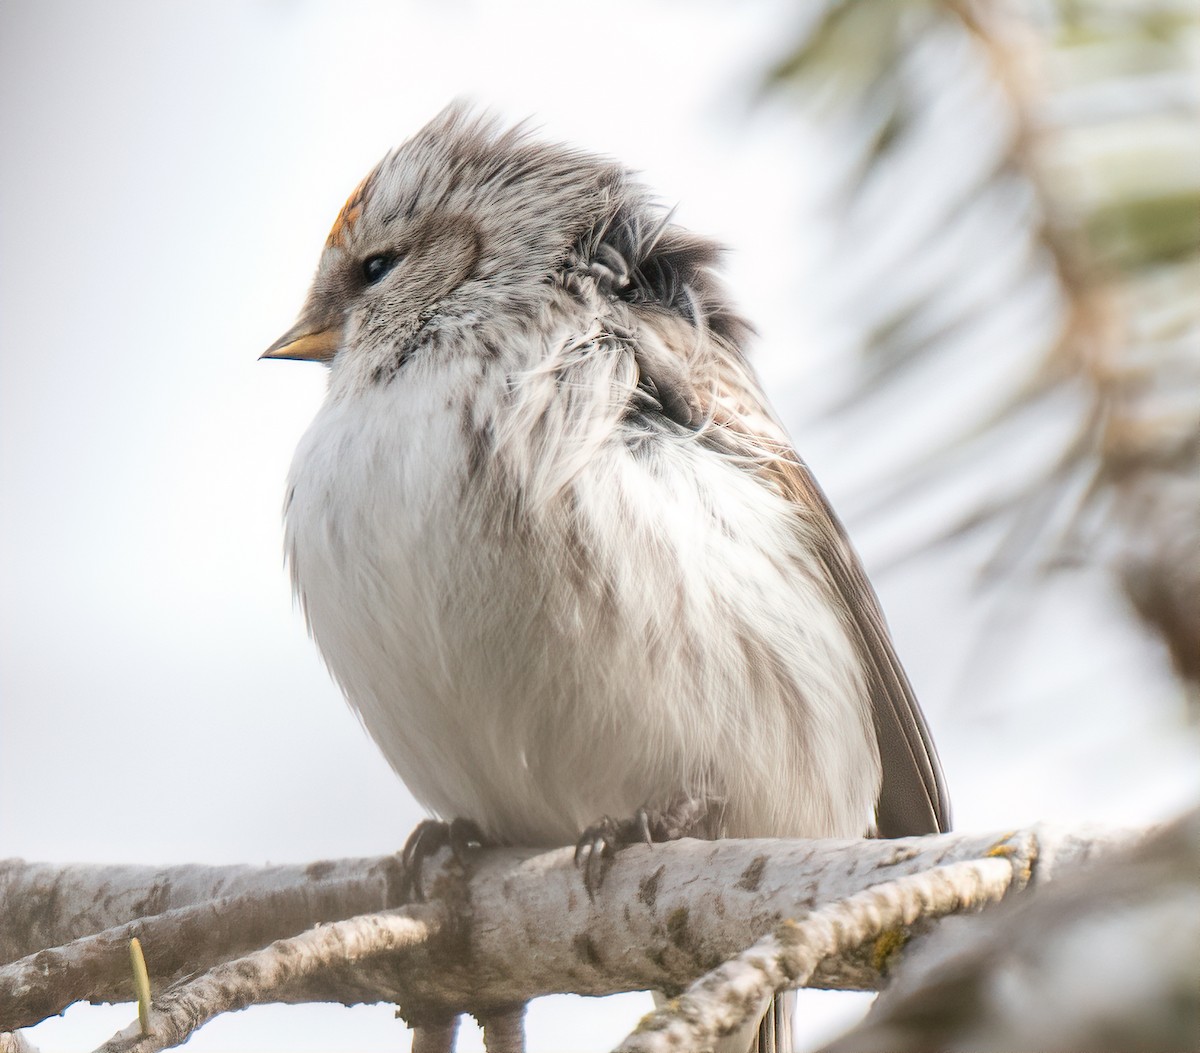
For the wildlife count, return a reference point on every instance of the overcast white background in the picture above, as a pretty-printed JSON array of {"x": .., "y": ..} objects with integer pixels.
[{"x": 168, "y": 173}]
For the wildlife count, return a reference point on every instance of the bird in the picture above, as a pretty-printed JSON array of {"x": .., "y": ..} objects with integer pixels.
[{"x": 549, "y": 535}]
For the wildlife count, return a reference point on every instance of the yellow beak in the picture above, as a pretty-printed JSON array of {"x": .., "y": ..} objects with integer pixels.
[{"x": 306, "y": 345}]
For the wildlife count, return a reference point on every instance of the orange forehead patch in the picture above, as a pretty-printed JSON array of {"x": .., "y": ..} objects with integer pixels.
[{"x": 350, "y": 212}]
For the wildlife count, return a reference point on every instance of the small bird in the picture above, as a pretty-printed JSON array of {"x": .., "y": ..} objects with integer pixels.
[{"x": 551, "y": 539}]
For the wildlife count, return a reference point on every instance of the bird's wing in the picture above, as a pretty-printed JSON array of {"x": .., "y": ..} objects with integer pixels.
[
  {"x": 712, "y": 387},
  {"x": 913, "y": 798}
]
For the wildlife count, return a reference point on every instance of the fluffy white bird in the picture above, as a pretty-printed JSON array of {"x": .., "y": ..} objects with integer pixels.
[{"x": 548, "y": 534}]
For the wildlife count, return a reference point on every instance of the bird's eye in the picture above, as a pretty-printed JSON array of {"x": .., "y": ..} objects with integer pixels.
[{"x": 375, "y": 267}]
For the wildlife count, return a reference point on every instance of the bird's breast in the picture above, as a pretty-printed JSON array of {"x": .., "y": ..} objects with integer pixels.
[{"x": 535, "y": 650}]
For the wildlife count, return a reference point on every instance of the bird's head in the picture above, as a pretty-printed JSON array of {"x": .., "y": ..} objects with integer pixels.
[{"x": 466, "y": 220}]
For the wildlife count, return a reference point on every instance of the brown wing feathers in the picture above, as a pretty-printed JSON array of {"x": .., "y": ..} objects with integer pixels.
[
  {"x": 664, "y": 274},
  {"x": 913, "y": 799}
]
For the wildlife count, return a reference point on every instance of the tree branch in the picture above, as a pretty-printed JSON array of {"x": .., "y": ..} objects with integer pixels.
[
  {"x": 518, "y": 926},
  {"x": 46, "y": 905},
  {"x": 254, "y": 979},
  {"x": 176, "y": 943},
  {"x": 721, "y": 1001}
]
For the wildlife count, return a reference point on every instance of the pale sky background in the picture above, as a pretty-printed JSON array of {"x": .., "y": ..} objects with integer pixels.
[{"x": 168, "y": 175}]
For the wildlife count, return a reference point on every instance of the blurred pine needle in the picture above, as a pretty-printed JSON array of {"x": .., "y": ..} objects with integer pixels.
[{"x": 1020, "y": 187}]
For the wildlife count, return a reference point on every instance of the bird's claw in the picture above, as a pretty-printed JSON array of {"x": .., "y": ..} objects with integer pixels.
[
  {"x": 463, "y": 837},
  {"x": 600, "y": 842},
  {"x": 595, "y": 848}
]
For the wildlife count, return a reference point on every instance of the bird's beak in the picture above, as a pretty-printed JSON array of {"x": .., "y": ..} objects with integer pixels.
[{"x": 306, "y": 344}]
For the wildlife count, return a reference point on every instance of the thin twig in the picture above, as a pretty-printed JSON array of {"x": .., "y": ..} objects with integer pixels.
[
  {"x": 503, "y": 1029},
  {"x": 254, "y": 979},
  {"x": 435, "y": 1038},
  {"x": 176, "y": 943},
  {"x": 719, "y": 1002}
]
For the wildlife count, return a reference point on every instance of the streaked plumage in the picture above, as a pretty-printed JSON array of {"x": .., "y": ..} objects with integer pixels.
[{"x": 549, "y": 535}]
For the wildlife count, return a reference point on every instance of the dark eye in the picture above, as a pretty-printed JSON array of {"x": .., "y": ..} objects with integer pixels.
[{"x": 375, "y": 267}]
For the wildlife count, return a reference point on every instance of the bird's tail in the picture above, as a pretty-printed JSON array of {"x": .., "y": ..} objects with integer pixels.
[
  {"x": 775, "y": 1028},
  {"x": 770, "y": 1034}
]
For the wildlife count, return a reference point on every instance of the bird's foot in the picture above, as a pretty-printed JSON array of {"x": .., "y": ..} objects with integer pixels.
[
  {"x": 600, "y": 842},
  {"x": 463, "y": 837}
]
